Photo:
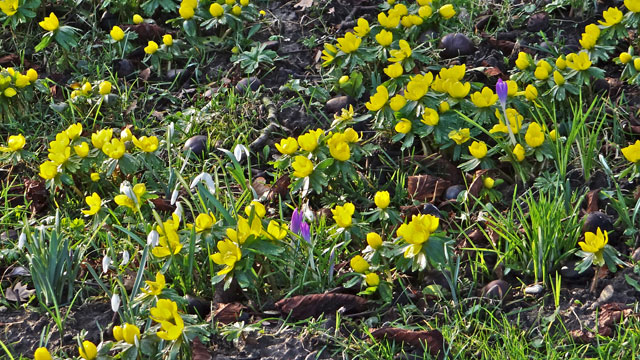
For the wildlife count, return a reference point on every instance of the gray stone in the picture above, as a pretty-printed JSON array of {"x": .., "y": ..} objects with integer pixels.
[{"x": 534, "y": 289}]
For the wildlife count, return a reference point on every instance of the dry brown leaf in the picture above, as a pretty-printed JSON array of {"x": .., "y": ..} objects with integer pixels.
[
  {"x": 426, "y": 187},
  {"x": 199, "y": 351},
  {"x": 304, "y": 4},
  {"x": 228, "y": 313},
  {"x": 432, "y": 340},
  {"x": 306, "y": 306}
]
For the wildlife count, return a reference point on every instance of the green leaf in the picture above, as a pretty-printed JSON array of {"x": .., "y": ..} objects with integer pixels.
[
  {"x": 189, "y": 27},
  {"x": 43, "y": 43},
  {"x": 267, "y": 248}
]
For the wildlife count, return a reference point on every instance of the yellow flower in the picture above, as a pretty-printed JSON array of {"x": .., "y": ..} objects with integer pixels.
[
  {"x": 359, "y": 264},
  {"x": 485, "y": 98},
  {"x": 612, "y": 16},
  {"x": 117, "y": 333},
  {"x": 523, "y": 61},
  {"x": 277, "y": 230},
  {"x": 447, "y": 11},
  {"x": 374, "y": 240},
  {"x": 425, "y": 11},
  {"x": 460, "y": 136},
  {"x": 530, "y": 92},
  {"x": 401, "y": 54},
  {"x": 372, "y": 279},
  {"x": 363, "y": 28},
  {"x": 50, "y": 23},
  {"x": 515, "y": 120},
  {"x": 130, "y": 333},
  {"x": 88, "y": 350},
  {"x": 430, "y": 117},
  {"x": 328, "y": 54},
  {"x": 478, "y": 149},
  {"x": 345, "y": 114},
  {"x": 588, "y": 41},
  {"x": 114, "y": 149},
  {"x": 94, "y": 203},
  {"x": 349, "y": 43},
  {"x": 384, "y": 38},
  {"x": 236, "y": 10},
  {"x": 244, "y": 2},
  {"x": 302, "y": 167},
  {"x": 399, "y": 10},
  {"x": 59, "y": 155},
  {"x": 9, "y": 7},
  {"x": 146, "y": 144},
  {"x": 74, "y": 131},
  {"x": 101, "y": 137},
  {"x": 151, "y": 47},
  {"x": 632, "y": 152},
  {"x": 418, "y": 86},
  {"x": 534, "y": 135},
  {"x": 397, "y": 102},
  {"x": 443, "y": 107},
  {"x": 41, "y": 353},
  {"x": 15, "y": 143},
  {"x": 625, "y": 57},
  {"x": 636, "y": 65},
  {"x": 403, "y": 126},
  {"x": 488, "y": 182},
  {"x": 459, "y": 90},
  {"x": 21, "y": 81},
  {"x": 541, "y": 73},
  {"x": 48, "y": 170},
  {"x": 204, "y": 222},
  {"x": 595, "y": 243},
  {"x": 579, "y": 62},
  {"x": 9, "y": 92},
  {"x": 382, "y": 199},
  {"x": 518, "y": 151},
  {"x": 340, "y": 150},
  {"x": 309, "y": 141},
  {"x": 389, "y": 22},
  {"x": 104, "y": 88},
  {"x": 263, "y": 13},
  {"x": 257, "y": 208},
  {"x": 168, "y": 242},
  {"x": 394, "y": 70},
  {"x": 95, "y": 177},
  {"x": 553, "y": 135},
  {"x": 116, "y": 33},
  {"x": 155, "y": 287},
  {"x": 137, "y": 19},
  {"x": 245, "y": 230},
  {"x": 417, "y": 232},
  {"x": 632, "y": 5},
  {"x": 558, "y": 78},
  {"x": 379, "y": 99},
  {"x": 343, "y": 79},
  {"x": 166, "y": 313},
  {"x": 216, "y": 10},
  {"x": 342, "y": 214},
  {"x": 186, "y": 11},
  {"x": 32, "y": 74},
  {"x": 287, "y": 146},
  {"x": 81, "y": 150},
  {"x": 228, "y": 254}
]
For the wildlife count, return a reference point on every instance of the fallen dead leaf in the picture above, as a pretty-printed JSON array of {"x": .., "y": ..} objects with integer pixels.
[
  {"x": 426, "y": 187},
  {"x": 19, "y": 293},
  {"x": 313, "y": 305},
  {"x": 432, "y": 340},
  {"x": 228, "y": 313},
  {"x": 304, "y": 4},
  {"x": 199, "y": 351}
]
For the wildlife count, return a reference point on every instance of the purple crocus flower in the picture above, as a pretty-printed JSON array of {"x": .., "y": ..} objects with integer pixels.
[
  {"x": 305, "y": 232},
  {"x": 502, "y": 89},
  {"x": 296, "y": 221}
]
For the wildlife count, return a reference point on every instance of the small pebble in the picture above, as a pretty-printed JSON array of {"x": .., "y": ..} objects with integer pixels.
[{"x": 533, "y": 289}]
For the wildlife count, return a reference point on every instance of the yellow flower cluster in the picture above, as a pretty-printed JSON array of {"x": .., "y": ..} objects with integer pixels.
[
  {"x": 166, "y": 313},
  {"x": 417, "y": 232},
  {"x": 11, "y": 81}
]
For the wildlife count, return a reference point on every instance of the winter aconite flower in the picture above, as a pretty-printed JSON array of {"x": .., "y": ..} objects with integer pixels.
[
  {"x": 82, "y": 150},
  {"x": 14, "y": 143},
  {"x": 403, "y": 126},
  {"x": 363, "y": 28},
  {"x": 256, "y": 208},
  {"x": 116, "y": 33},
  {"x": 595, "y": 243},
  {"x": 309, "y": 141},
  {"x": 277, "y": 230},
  {"x": 397, "y": 102},
  {"x": 459, "y": 90},
  {"x": 382, "y": 199},
  {"x": 372, "y": 279},
  {"x": 359, "y": 264},
  {"x": 228, "y": 254},
  {"x": 518, "y": 152},
  {"x": 485, "y": 98},
  {"x": 117, "y": 333},
  {"x": 155, "y": 287},
  {"x": 50, "y": 23},
  {"x": 430, "y": 117},
  {"x": 374, "y": 240},
  {"x": 379, "y": 99},
  {"x": 204, "y": 222},
  {"x": 384, "y": 38},
  {"x": 287, "y": 146},
  {"x": 632, "y": 152},
  {"x": 625, "y": 57},
  {"x": 612, "y": 16},
  {"x": 166, "y": 313},
  {"x": 389, "y": 22},
  {"x": 41, "y": 353},
  {"x": 342, "y": 214},
  {"x": 101, "y": 137},
  {"x": 104, "y": 88},
  {"x": 216, "y": 10},
  {"x": 401, "y": 54},
  {"x": 394, "y": 70},
  {"x": 146, "y": 144},
  {"x": 530, "y": 92},
  {"x": 94, "y": 203},
  {"x": 417, "y": 232},
  {"x": 88, "y": 350},
  {"x": 460, "y": 136},
  {"x": 130, "y": 333},
  {"x": 137, "y": 19},
  {"x": 488, "y": 182},
  {"x": 558, "y": 78},
  {"x": 522, "y": 62},
  {"x": 478, "y": 149},
  {"x": 114, "y": 149},
  {"x": 9, "y": 7},
  {"x": 167, "y": 39},
  {"x": 632, "y": 5},
  {"x": 151, "y": 47},
  {"x": 339, "y": 150},
  {"x": 447, "y": 11},
  {"x": 534, "y": 136},
  {"x": 349, "y": 43},
  {"x": 579, "y": 62},
  {"x": 48, "y": 170},
  {"x": 302, "y": 167}
]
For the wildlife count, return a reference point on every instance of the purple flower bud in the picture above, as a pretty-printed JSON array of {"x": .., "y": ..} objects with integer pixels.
[
  {"x": 305, "y": 232},
  {"x": 296, "y": 221},
  {"x": 502, "y": 89}
]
